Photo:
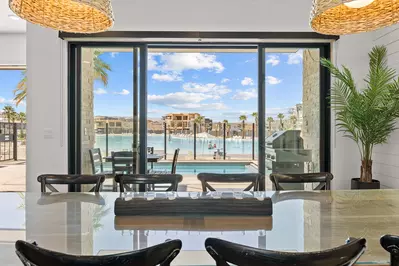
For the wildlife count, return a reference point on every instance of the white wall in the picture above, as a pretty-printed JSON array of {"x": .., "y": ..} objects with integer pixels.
[
  {"x": 46, "y": 104},
  {"x": 351, "y": 51},
  {"x": 212, "y": 15},
  {"x": 386, "y": 157},
  {"x": 12, "y": 49}
]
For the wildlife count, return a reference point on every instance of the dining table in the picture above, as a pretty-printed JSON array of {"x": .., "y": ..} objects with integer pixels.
[{"x": 302, "y": 221}]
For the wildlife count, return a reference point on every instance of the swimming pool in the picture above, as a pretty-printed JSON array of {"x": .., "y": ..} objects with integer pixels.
[{"x": 211, "y": 167}]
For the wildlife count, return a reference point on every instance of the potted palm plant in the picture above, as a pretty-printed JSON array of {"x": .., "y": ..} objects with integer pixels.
[{"x": 367, "y": 116}]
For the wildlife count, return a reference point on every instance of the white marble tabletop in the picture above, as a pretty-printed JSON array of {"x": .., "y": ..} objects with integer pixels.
[{"x": 84, "y": 223}]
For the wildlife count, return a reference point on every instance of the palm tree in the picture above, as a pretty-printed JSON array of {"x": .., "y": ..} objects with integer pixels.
[
  {"x": 293, "y": 120},
  {"x": 9, "y": 112},
  {"x": 20, "y": 91},
  {"x": 255, "y": 115},
  {"x": 270, "y": 120},
  {"x": 100, "y": 68},
  {"x": 14, "y": 116},
  {"x": 243, "y": 118},
  {"x": 199, "y": 120},
  {"x": 226, "y": 122},
  {"x": 281, "y": 117},
  {"x": 22, "y": 119}
]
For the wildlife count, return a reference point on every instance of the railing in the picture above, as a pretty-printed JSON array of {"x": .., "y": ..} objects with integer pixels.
[
  {"x": 195, "y": 143},
  {"x": 9, "y": 141}
]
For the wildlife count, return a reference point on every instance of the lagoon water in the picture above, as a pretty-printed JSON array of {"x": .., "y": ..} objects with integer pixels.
[{"x": 186, "y": 145}]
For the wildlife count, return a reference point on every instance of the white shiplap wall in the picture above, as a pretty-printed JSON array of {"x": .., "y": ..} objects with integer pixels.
[{"x": 386, "y": 157}]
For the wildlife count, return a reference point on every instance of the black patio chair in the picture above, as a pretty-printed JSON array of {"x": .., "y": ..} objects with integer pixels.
[
  {"x": 224, "y": 252},
  {"x": 162, "y": 254},
  {"x": 252, "y": 178},
  {"x": 48, "y": 180},
  {"x": 324, "y": 180}
]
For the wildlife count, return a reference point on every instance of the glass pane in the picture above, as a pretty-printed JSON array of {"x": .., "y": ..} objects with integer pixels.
[
  {"x": 292, "y": 112},
  {"x": 212, "y": 90},
  {"x": 106, "y": 107}
]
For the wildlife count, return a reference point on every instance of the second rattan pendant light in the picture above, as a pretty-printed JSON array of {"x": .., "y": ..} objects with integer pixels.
[
  {"x": 339, "y": 17},
  {"x": 77, "y": 16}
]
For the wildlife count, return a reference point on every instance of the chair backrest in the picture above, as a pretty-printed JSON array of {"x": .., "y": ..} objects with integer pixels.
[
  {"x": 148, "y": 180},
  {"x": 391, "y": 244},
  {"x": 324, "y": 180},
  {"x": 224, "y": 252},
  {"x": 150, "y": 150},
  {"x": 252, "y": 178},
  {"x": 48, "y": 180},
  {"x": 174, "y": 162},
  {"x": 122, "y": 162},
  {"x": 96, "y": 161},
  {"x": 162, "y": 254}
]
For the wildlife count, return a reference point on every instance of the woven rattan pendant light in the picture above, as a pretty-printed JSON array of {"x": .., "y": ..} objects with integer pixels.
[
  {"x": 339, "y": 17},
  {"x": 78, "y": 16}
]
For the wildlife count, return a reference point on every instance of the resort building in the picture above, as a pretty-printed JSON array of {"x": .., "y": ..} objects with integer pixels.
[{"x": 181, "y": 121}]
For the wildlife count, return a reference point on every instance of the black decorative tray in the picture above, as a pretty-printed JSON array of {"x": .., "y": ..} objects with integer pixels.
[{"x": 202, "y": 205}]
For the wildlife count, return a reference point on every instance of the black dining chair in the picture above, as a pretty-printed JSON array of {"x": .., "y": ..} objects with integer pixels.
[
  {"x": 391, "y": 244},
  {"x": 162, "y": 254},
  {"x": 224, "y": 252},
  {"x": 122, "y": 162},
  {"x": 324, "y": 180},
  {"x": 147, "y": 182},
  {"x": 97, "y": 163},
  {"x": 48, "y": 180},
  {"x": 252, "y": 178}
]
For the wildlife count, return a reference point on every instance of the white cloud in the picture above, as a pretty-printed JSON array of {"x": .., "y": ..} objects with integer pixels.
[
  {"x": 245, "y": 94},
  {"x": 179, "y": 62},
  {"x": 154, "y": 111},
  {"x": 114, "y": 54},
  {"x": 225, "y": 80},
  {"x": 167, "y": 77},
  {"x": 274, "y": 60},
  {"x": 247, "y": 81},
  {"x": 123, "y": 92},
  {"x": 210, "y": 88},
  {"x": 178, "y": 98},
  {"x": 294, "y": 59},
  {"x": 273, "y": 80},
  {"x": 250, "y": 60},
  {"x": 100, "y": 91},
  {"x": 201, "y": 106},
  {"x": 2, "y": 100}
]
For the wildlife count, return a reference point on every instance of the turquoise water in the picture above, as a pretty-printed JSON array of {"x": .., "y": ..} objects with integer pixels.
[
  {"x": 186, "y": 145},
  {"x": 218, "y": 168}
]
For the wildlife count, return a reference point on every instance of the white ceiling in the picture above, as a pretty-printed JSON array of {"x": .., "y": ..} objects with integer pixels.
[
  {"x": 8, "y": 25},
  {"x": 204, "y": 15}
]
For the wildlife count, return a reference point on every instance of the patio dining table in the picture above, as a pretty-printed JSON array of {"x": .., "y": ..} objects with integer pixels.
[{"x": 151, "y": 158}]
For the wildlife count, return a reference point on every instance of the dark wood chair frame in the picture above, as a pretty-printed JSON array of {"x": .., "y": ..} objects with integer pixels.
[
  {"x": 323, "y": 178},
  {"x": 48, "y": 180},
  {"x": 391, "y": 244},
  {"x": 162, "y": 254},
  {"x": 148, "y": 181},
  {"x": 224, "y": 252},
  {"x": 253, "y": 178}
]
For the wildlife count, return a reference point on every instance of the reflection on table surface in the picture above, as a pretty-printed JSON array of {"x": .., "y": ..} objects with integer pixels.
[{"x": 82, "y": 223}]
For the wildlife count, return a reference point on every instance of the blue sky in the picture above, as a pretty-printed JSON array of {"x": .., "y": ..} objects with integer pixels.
[
  {"x": 216, "y": 85},
  {"x": 8, "y": 82}
]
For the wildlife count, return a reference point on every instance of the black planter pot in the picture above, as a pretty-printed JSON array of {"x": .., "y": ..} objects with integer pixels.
[{"x": 356, "y": 184}]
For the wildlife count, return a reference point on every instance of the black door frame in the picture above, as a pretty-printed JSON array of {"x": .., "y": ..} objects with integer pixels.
[{"x": 74, "y": 97}]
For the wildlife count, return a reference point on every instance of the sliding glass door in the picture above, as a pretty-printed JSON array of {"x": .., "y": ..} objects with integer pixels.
[
  {"x": 226, "y": 108},
  {"x": 295, "y": 114}
]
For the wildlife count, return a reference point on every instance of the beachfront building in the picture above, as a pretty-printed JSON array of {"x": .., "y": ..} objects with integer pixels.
[{"x": 182, "y": 122}]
